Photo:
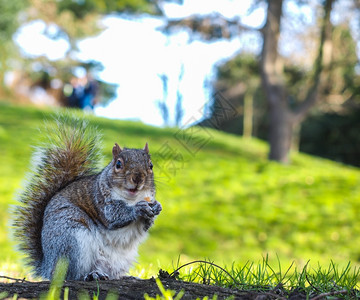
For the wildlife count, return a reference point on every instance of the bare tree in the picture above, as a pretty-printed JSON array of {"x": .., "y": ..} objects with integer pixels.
[{"x": 282, "y": 118}]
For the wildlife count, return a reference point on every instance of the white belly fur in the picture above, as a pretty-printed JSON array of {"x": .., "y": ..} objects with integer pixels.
[{"x": 112, "y": 252}]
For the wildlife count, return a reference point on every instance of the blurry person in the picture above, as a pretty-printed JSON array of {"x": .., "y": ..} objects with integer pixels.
[{"x": 90, "y": 91}]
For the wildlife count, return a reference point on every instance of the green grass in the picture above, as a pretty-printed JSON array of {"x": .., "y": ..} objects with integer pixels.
[
  {"x": 276, "y": 281},
  {"x": 221, "y": 200}
]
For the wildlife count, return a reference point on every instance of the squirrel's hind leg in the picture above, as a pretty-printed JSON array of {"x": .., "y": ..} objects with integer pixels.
[
  {"x": 56, "y": 249},
  {"x": 64, "y": 237}
]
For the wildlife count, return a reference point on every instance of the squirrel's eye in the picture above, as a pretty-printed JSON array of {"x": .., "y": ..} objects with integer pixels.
[
  {"x": 151, "y": 166},
  {"x": 118, "y": 165}
]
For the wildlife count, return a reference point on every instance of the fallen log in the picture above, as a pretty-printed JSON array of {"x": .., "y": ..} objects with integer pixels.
[{"x": 125, "y": 288}]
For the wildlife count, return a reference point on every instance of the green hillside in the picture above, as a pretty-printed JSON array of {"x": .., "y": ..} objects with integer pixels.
[{"x": 221, "y": 198}]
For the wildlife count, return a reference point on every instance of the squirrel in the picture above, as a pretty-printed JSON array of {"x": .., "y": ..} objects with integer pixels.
[{"x": 95, "y": 220}]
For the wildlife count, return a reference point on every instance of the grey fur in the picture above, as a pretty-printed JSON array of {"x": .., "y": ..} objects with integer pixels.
[
  {"x": 95, "y": 221},
  {"x": 63, "y": 221}
]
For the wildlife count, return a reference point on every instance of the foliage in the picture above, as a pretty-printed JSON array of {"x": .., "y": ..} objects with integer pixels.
[
  {"x": 69, "y": 23},
  {"x": 8, "y": 18},
  {"x": 333, "y": 136},
  {"x": 79, "y": 19},
  {"x": 243, "y": 68},
  {"x": 237, "y": 79},
  {"x": 279, "y": 281},
  {"x": 223, "y": 200},
  {"x": 9, "y": 23},
  {"x": 342, "y": 77},
  {"x": 69, "y": 20},
  {"x": 81, "y": 8},
  {"x": 337, "y": 105}
]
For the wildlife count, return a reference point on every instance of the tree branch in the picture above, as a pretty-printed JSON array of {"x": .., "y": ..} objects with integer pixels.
[
  {"x": 322, "y": 62},
  {"x": 210, "y": 27}
]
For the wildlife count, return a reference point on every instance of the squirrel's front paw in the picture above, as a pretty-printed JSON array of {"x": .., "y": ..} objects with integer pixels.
[
  {"x": 156, "y": 207},
  {"x": 96, "y": 275},
  {"x": 144, "y": 210}
]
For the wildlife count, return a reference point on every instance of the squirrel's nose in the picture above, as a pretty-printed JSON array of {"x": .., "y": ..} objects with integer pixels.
[{"x": 136, "y": 178}]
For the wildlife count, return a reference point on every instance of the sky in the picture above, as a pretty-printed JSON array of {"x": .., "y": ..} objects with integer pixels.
[{"x": 135, "y": 53}]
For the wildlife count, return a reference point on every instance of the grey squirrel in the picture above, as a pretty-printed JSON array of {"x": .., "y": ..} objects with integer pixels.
[{"x": 95, "y": 220}]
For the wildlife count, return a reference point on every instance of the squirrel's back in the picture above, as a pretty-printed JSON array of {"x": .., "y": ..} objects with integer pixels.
[{"x": 69, "y": 152}]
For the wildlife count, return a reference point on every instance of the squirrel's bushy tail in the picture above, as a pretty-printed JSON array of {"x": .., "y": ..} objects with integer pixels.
[{"x": 69, "y": 152}]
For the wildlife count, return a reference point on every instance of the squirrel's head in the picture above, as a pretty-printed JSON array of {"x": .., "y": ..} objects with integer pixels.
[{"x": 132, "y": 171}]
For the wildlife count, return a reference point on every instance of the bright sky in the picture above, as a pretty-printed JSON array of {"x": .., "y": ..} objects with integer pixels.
[{"x": 134, "y": 53}]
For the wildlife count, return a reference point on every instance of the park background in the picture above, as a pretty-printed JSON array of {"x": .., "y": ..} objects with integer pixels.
[{"x": 234, "y": 97}]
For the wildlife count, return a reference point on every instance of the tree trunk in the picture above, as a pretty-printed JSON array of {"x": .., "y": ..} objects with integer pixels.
[
  {"x": 248, "y": 114},
  {"x": 273, "y": 83},
  {"x": 281, "y": 118},
  {"x": 280, "y": 133}
]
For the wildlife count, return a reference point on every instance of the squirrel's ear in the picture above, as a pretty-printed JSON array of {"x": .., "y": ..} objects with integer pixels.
[
  {"x": 146, "y": 148},
  {"x": 116, "y": 150}
]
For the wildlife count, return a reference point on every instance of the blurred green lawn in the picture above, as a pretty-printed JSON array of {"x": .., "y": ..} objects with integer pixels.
[{"x": 221, "y": 198}]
